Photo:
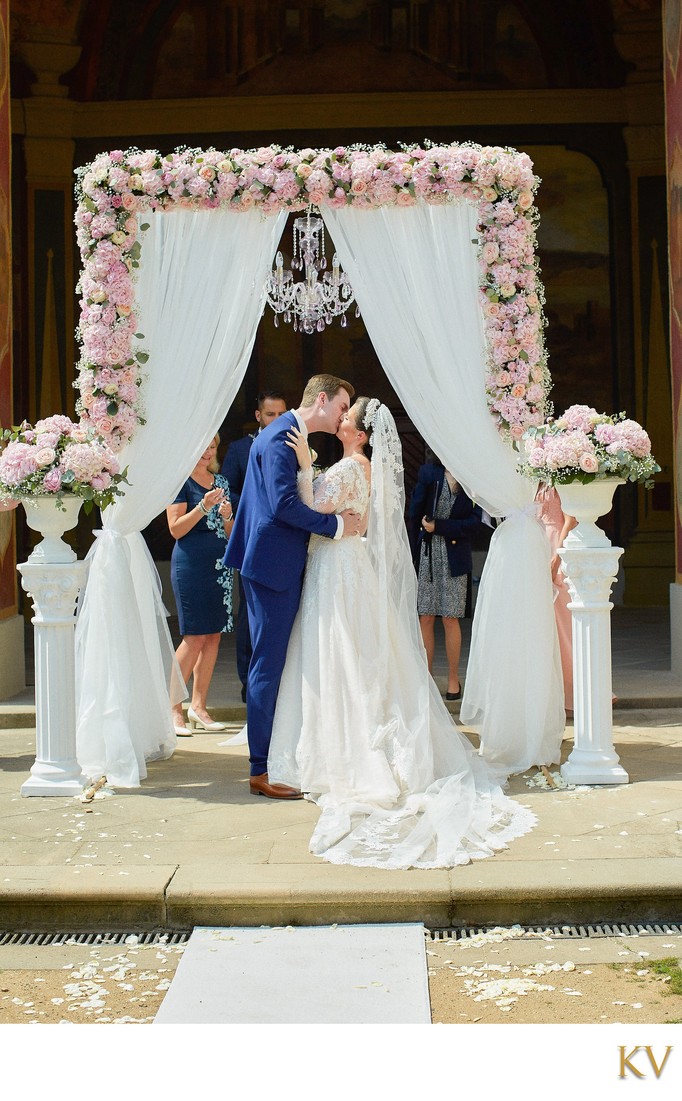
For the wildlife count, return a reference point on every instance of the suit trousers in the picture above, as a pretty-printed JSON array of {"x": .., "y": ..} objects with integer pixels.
[
  {"x": 271, "y": 617},
  {"x": 242, "y": 636}
]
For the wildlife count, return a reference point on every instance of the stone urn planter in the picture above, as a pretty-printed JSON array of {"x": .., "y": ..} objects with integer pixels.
[
  {"x": 587, "y": 502},
  {"x": 52, "y": 517}
]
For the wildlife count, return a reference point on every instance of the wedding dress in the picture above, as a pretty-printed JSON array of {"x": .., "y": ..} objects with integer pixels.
[{"x": 360, "y": 725}]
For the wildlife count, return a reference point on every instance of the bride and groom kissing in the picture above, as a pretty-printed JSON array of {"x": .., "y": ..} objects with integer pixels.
[{"x": 340, "y": 703}]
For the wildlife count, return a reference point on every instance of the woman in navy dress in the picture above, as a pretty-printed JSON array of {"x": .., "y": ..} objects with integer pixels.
[{"x": 200, "y": 520}]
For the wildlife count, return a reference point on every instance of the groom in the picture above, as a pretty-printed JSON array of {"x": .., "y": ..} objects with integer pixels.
[{"x": 268, "y": 545}]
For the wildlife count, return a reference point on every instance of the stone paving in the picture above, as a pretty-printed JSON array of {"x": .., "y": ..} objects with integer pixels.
[{"x": 193, "y": 847}]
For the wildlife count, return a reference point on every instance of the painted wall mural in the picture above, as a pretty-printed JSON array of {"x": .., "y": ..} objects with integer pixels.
[
  {"x": 672, "y": 30},
  {"x": 8, "y": 604}
]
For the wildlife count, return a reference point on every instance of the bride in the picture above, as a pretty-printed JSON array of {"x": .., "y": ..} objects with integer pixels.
[{"x": 360, "y": 725}]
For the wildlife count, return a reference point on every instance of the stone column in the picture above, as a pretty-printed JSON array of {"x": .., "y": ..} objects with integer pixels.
[{"x": 53, "y": 588}]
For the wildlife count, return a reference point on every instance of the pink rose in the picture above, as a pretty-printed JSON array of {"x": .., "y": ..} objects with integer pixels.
[
  {"x": 45, "y": 456},
  {"x": 404, "y": 198},
  {"x": 525, "y": 200},
  {"x": 589, "y": 463},
  {"x": 358, "y": 187}
]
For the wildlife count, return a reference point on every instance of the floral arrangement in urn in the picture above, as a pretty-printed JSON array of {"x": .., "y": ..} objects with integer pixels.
[
  {"x": 583, "y": 445},
  {"x": 57, "y": 457}
]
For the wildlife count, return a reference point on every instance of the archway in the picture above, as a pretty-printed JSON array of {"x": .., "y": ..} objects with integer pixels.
[{"x": 172, "y": 278}]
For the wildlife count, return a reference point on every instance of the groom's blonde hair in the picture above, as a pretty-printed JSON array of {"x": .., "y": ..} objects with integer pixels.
[{"x": 325, "y": 384}]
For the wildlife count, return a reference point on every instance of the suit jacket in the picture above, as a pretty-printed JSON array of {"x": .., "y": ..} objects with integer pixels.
[
  {"x": 457, "y": 530},
  {"x": 234, "y": 466},
  {"x": 269, "y": 540}
]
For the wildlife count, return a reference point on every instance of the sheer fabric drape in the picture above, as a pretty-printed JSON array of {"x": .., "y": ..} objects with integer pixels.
[
  {"x": 200, "y": 297},
  {"x": 415, "y": 276}
]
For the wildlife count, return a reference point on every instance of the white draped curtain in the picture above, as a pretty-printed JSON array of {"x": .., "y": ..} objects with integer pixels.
[
  {"x": 415, "y": 275},
  {"x": 200, "y": 297}
]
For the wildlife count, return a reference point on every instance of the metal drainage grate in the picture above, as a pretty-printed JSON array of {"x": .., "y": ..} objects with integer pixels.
[
  {"x": 563, "y": 932},
  {"x": 164, "y": 937}
]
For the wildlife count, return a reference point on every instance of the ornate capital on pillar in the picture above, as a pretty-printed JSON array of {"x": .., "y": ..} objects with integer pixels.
[
  {"x": 54, "y": 589},
  {"x": 590, "y": 573}
]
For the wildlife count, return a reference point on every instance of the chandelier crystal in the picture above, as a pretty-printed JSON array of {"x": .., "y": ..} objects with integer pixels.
[{"x": 312, "y": 302}]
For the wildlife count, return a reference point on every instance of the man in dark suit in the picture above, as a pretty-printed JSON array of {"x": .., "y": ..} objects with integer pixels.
[
  {"x": 271, "y": 404},
  {"x": 268, "y": 545}
]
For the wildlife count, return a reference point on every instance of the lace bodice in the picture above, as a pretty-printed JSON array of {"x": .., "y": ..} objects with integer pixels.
[{"x": 342, "y": 486}]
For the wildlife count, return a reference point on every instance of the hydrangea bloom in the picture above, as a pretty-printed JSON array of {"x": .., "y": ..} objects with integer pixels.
[{"x": 582, "y": 445}]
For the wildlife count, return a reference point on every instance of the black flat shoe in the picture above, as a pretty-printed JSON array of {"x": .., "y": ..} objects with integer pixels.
[{"x": 454, "y": 695}]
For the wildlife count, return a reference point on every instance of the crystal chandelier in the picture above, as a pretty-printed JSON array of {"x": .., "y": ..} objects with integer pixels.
[{"x": 313, "y": 302}]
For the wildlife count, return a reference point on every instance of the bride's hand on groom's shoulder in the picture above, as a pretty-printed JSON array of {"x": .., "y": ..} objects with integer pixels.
[{"x": 298, "y": 442}]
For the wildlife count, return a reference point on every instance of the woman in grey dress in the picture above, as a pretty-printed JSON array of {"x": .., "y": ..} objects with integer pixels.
[{"x": 446, "y": 519}]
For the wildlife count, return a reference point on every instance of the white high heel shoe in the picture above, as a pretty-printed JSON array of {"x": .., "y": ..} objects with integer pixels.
[{"x": 198, "y": 724}]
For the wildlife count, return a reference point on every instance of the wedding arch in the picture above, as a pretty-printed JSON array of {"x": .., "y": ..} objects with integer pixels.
[{"x": 439, "y": 244}]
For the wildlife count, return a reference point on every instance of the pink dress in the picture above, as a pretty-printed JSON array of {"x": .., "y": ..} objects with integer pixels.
[{"x": 552, "y": 519}]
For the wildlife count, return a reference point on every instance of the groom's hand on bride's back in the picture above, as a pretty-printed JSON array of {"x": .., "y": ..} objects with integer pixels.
[{"x": 352, "y": 522}]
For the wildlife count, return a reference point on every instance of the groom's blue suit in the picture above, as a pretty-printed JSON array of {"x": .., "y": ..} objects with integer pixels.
[{"x": 268, "y": 545}]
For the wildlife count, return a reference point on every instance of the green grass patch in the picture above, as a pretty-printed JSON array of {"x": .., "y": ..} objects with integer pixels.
[{"x": 668, "y": 966}]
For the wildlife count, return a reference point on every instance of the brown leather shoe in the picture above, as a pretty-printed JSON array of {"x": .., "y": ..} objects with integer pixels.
[{"x": 258, "y": 785}]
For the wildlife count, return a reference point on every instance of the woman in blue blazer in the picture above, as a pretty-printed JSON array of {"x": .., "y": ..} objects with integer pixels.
[{"x": 443, "y": 520}]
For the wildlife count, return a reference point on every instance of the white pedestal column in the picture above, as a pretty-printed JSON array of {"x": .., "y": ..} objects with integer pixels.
[
  {"x": 53, "y": 577},
  {"x": 53, "y": 588},
  {"x": 590, "y": 565},
  {"x": 590, "y": 573}
]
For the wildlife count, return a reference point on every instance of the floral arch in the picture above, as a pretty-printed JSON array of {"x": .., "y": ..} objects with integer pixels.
[
  {"x": 172, "y": 290},
  {"x": 117, "y": 186}
]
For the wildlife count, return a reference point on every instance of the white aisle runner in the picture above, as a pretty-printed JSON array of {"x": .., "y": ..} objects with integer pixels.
[{"x": 338, "y": 974}]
